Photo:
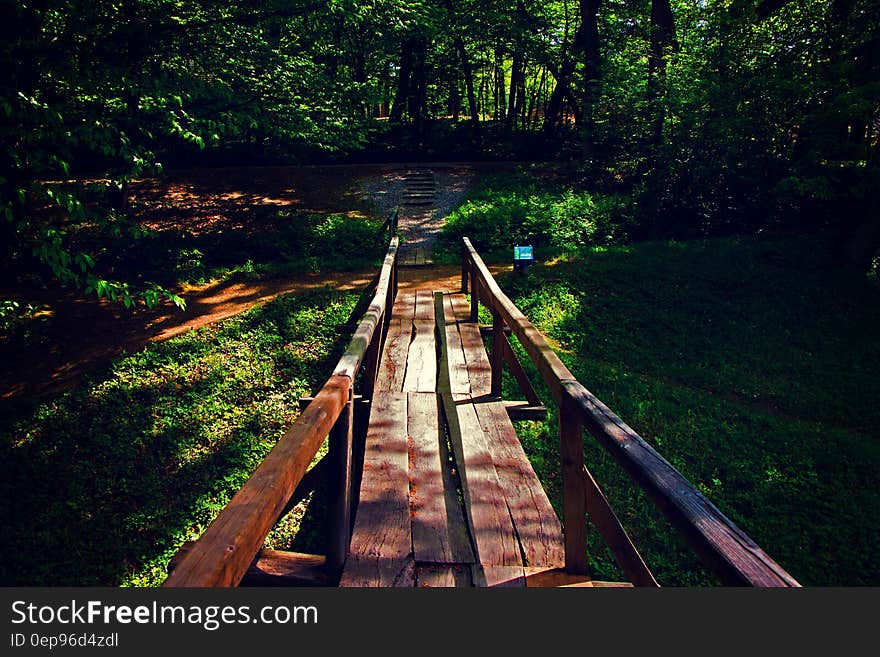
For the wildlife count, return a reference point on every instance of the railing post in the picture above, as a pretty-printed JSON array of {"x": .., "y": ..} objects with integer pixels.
[
  {"x": 574, "y": 509},
  {"x": 497, "y": 352},
  {"x": 475, "y": 297},
  {"x": 340, "y": 505},
  {"x": 465, "y": 268}
]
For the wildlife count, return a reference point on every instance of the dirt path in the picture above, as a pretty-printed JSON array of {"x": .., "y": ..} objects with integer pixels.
[
  {"x": 425, "y": 194},
  {"x": 84, "y": 334}
]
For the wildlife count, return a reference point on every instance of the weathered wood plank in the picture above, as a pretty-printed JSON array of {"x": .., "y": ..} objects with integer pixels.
[
  {"x": 421, "y": 361},
  {"x": 557, "y": 577},
  {"x": 381, "y": 544},
  {"x": 504, "y": 577},
  {"x": 459, "y": 307},
  {"x": 404, "y": 305},
  {"x": 424, "y": 308},
  {"x": 537, "y": 527},
  {"x": 460, "y": 385},
  {"x": 491, "y": 527},
  {"x": 478, "y": 366},
  {"x": 392, "y": 366},
  {"x": 439, "y": 531},
  {"x": 522, "y": 410},
  {"x": 274, "y": 568},
  {"x": 489, "y": 521},
  {"x": 443, "y": 575}
]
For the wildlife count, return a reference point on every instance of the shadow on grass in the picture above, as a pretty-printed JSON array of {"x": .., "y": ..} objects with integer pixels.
[{"x": 102, "y": 484}]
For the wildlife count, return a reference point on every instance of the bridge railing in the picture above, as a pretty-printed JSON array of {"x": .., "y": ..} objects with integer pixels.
[
  {"x": 223, "y": 554},
  {"x": 722, "y": 547}
]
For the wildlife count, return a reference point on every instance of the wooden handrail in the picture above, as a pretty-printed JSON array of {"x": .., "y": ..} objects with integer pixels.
[
  {"x": 222, "y": 555},
  {"x": 717, "y": 541}
]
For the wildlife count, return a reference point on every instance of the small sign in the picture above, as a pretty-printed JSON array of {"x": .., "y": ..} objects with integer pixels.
[
  {"x": 523, "y": 257},
  {"x": 523, "y": 253}
]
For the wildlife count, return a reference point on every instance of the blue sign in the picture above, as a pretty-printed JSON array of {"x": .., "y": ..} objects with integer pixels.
[{"x": 523, "y": 253}]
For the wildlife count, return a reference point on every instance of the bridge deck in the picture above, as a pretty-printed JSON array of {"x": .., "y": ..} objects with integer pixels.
[{"x": 448, "y": 497}]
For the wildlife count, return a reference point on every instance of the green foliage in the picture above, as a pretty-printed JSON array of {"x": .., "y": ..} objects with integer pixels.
[
  {"x": 504, "y": 210},
  {"x": 102, "y": 484},
  {"x": 763, "y": 396}
]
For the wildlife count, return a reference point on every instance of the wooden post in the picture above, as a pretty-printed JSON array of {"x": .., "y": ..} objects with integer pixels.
[
  {"x": 371, "y": 361},
  {"x": 465, "y": 268},
  {"x": 475, "y": 298},
  {"x": 574, "y": 520},
  {"x": 498, "y": 339},
  {"x": 340, "y": 503}
]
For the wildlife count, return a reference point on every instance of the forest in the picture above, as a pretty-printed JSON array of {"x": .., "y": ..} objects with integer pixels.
[{"x": 724, "y": 149}]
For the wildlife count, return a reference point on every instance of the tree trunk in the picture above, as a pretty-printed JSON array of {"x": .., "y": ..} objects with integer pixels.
[
  {"x": 585, "y": 44},
  {"x": 515, "y": 85},
  {"x": 419, "y": 87},
  {"x": 403, "y": 78},
  {"x": 500, "y": 97},
  {"x": 662, "y": 39},
  {"x": 465, "y": 69}
]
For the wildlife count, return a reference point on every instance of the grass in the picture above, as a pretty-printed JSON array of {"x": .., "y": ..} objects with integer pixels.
[
  {"x": 750, "y": 364},
  {"x": 102, "y": 484}
]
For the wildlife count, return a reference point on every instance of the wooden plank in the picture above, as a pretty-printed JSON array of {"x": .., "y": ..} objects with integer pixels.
[
  {"x": 443, "y": 576},
  {"x": 504, "y": 577},
  {"x": 478, "y": 365},
  {"x": 537, "y": 526},
  {"x": 392, "y": 366},
  {"x": 522, "y": 410},
  {"x": 404, "y": 305},
  {"x": 460, "y": 384},
  {"x": 280, "y": 568},
  {"x": 222, "y": 556},
  {"x": 424, "y": 306},
  {"x": 421, "y": 361},
  {"x": 275, "y": 568},
  {"x": 490, "y": 523},
  {"x": 439, "y": 532},
  {"x": 459, "y": 307},
  {"x": 625, "y": 553},
  {"x": 381, "y": 544},
  {"x": 491, "y": 528},
  {"x": 557, "y": 577}
]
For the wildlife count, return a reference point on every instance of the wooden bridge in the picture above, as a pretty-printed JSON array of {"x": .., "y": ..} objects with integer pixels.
[{"x": 430, "y": 485}]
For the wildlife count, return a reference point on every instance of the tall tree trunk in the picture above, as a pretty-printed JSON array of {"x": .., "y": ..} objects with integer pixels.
[
  {"x": 515, "y": 85},
  {"x": 403, "y": 78},
  {"x": 466, "y": 69},
  {"x": 662, "y": 40},
  {"x": 418, "y": 99},
  {"x": 586, "y": 45},
  {"x": 500, "y": 97}
]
